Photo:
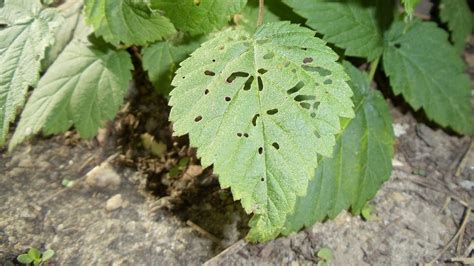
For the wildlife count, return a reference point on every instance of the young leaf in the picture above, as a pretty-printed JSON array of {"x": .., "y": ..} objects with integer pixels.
[
  {"x": 84, "y": 87},
  {"x": 127, "y": 21},
  {"x": 161, "y": 60},
  {"x": 199, "y": 16},
  {"x": 22, "y": 46},
  {"x": 429, "y": 73},
  {"x": 459, "y": 18},
  {"x": 356, "y": 26},
  {"x": 34, "y": 253},
  {"x": 410, "y": 6},
  {"x": 48, "y": 254},
  {"x": 261, "y": 108},
  {"x": 362, "y": 160},
  {"x": 24, "y": 259}
]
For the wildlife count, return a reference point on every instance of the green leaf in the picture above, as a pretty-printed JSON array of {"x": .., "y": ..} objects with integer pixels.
[
  {"x": 34, "y": 253},
  {"x": 84, "y": 87},
  {"x": 22, "y": 46},
  {"x": 459, "y": 18},
  {"x": 161, "y": 60},
  {"x": 261, "y": 108},
  {"x": 367, "y": 212},
  {"x": 410, "y": 6},
  {"x": 48, "y": 254},
  {"x": 127, "y": 21},
  {"x": 356, "y": 26},
  {"x": 24, "y": 259},
  {"x": 362, "y": 160},
  {"x": 199, "y": 16},
  {"x": 325, "y": 254},
  {"x": 429, "y": 73}
]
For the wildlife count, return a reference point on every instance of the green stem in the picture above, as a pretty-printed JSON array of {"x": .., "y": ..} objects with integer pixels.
[
  {"x": 261, "y": 12},
  {"x": 373, "y": 68}
]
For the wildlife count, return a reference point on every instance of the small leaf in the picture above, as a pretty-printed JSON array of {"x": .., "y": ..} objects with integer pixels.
[
  {"x": 362, "y": 160},
  {"x": 127, "y": 21},
  {"x": 356, "y": 26},
  {"x": 24, "y": 259},
  {"x": 261, "y": 108},
  {"x": 199, "y": 17},
  {"x": 34, "y": 253},
  {"x": 325, "y": 254},
  {"x": 48, "y": 254},
  {"x": 459, "y": 18},
  {"x": 367, "y": 211},
  {"x": 428, "y": 72},
  {"x": 22, "y": 47},
  {"x": 84, "y": 87},
  {"x": 161, "y": 60}
]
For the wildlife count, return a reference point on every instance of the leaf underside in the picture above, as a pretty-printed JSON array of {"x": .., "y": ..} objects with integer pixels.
[
  {"x": 362, "y": 161},
  {"x": 23, "y": 43},
  {"x": 357, "y": 26},
  {"x": 261, "y": 109},
  {"x": 459, "y": 18},
  {"x": 428, "y": 72},
  {"x": 84, "y": 87},
  {"x": 127, "y": 21}
]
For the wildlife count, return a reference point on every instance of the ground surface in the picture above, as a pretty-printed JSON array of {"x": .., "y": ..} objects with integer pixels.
[{"x": 140, "y": 197}]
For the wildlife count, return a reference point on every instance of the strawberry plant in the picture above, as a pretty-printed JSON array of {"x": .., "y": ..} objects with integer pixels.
[{"x": 266, "y": 92}]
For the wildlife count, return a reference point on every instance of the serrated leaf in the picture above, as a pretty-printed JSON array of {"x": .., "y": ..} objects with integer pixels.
[
  {"x": 362, "y": 160},
  {"x": 161, "y": 60},
  {"x": 22, "y": 46},
  {"x": 459, "y": 18},
  {"x": 199, "y": 16},
  {"x": 428, "y": 72},
  {"x": 261, "y": 108},
  {"x": 127, "y": 21},
  {"x": 84, "y": 87},
  {"x": 410, "y": 6},
  {"x": 356, "y": 26}
]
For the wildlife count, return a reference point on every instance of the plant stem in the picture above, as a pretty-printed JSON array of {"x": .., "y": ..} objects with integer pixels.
[
  {"x": 261, "y": 12},
  {"x": 373, "y": 68}
]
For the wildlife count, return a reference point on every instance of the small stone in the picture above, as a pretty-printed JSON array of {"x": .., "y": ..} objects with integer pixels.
[
  {"x": 193, "y": 171},
  {"x": 114, "y": 203},
  {"x": 103, "y": 176}
]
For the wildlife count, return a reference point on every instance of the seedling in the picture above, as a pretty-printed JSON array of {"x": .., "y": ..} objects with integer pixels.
[{"x": 35, "y": 257}]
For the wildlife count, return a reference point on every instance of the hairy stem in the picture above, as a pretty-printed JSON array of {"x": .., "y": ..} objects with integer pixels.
[
  {"x": 261, "y": 12},
  {"x": 373, "y": 68}
]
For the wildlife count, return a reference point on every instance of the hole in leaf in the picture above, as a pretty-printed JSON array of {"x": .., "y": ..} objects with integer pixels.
[
  {"x": 262, "y": 71},
  {"x": 305, "y": 105},
  {"x": 254, "y": 120},
  {"x": 206, "y": 92},
  {"x": 276, "y": 145},
  {"x": 301, "y": 98},
  {"x": 227, "y": 99},
  {"x": 328, "y": 81},
  {"x": 316, "y": 105},
  {"x": 321, "y": 71},
  {"x": 262, "y": 179},
  {"x": 304, "y": 49},
  {"x": 246, "y": 135},
  {"x": 214, "y": 60},
  {"x": 296, "y": 88},
  {"x": 307, "y": 60},
  {"x": 269, "y": 55},
  {"x": 235, "y": 75},
  {"x": 272, "y": 111},
  {"x": 198, "y": 118},
  {"x": 184, "y": 77},
  {"x": 248, "y": 83},
  {"x": 398, "y": 45},
  {"x": 209, "y": 73},
  {"x": 239, "y": 135},
  {"x": 260, "y": 150},
  {"x": 260, "y": 84}
]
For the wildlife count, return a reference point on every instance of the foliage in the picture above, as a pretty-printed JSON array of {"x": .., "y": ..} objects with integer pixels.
[
  {"x": 296, "y": 135},
  {"x": 325, "y": 255},
  {"x": 35, "y": 257}
]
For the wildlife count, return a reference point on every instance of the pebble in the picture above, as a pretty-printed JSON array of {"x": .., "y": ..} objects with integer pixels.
[
  {"x": 114, "y": 203},
  {"x": 103, "y": 176}
]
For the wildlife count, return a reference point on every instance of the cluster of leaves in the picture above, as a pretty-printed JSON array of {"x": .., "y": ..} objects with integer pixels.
[
  {"x": 295, "y": 134},
  {"x": 35, "y": 257}
]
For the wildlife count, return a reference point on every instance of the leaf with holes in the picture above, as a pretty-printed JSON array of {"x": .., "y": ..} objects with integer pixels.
[
  {"x": 28, "y": 32},
  {"x": 428, "y": 72},
  {"x": 161, "y": 60},
  {"x": 362, "y": 160},
  {"x": 261, "y": 108},
  {"x": 356, "y": 26},
  {"x": 84, "y": 87},
  {"x": 459, "y": 18},
  {"x": 199, "y": 16},
  {"x": 127, "y": 21}
]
